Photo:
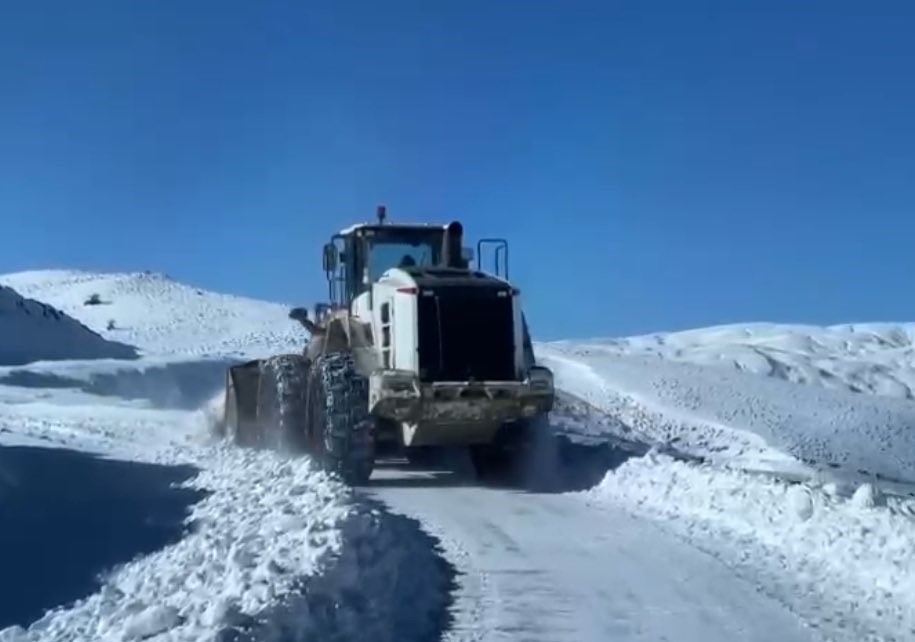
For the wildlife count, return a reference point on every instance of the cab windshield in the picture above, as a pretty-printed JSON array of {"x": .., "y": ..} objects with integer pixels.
[{"x": 419, "y": 248}]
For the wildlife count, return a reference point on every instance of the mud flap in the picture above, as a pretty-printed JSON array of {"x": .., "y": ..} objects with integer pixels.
[{"x": 242, "y": 383}]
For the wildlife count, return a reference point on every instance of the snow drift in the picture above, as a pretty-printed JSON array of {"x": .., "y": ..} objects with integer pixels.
[
  {"x": 876, "y": 358},
  {"x": 171, "y": 382},
  {"x": 276, "y": 550},
  {"x": 738, "y": 418},
  {"x": 31, "y": 331},
  {"x": 799, "y": 542}
]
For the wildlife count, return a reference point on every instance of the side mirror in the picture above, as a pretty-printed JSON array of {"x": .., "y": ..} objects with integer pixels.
[
  {"x": 330, "y": 257},
  {"x": 467, "y": 255}
]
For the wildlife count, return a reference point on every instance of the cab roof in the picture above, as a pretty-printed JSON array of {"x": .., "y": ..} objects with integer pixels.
[{"x": 390, "y": 226}]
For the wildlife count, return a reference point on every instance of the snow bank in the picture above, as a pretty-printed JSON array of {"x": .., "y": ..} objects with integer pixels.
[
  {"x": 33, "y": 331},
  {"x": 163, "y": 317},
  {"x": 741, "y": 419},
  {"x": 111, "y": 511},
  {"x": 276, "y": 547},
  {"x": 877, "y": 358},
  {"x": 266, "y": 523},
  {"x": 801, "y": 542},
  {"x": 276, "y": 550}
]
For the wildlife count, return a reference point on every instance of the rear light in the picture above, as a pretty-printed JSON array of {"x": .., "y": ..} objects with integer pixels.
[{"x": 408, "y": 290}]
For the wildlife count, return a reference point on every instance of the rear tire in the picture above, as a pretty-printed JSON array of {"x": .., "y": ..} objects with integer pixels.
[
  {"x": 492, "y": 462},
  {"x": 423, "y": 456},
  {"x": 520, "y": 453},
  {"x": 341, "y": 430},
  {"x": 281, "y": 409}
]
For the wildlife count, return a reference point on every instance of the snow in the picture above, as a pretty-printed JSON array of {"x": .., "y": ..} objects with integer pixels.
[
  {"x": 801, "y": 542},
  {"x": 742, "y": 419},
  {"x": 251, "y": 538},
  {"x": 163, "y": 317},
  {"x": 273, "y": 542},
  {"x": 265, "y": 524},
  {"x": 801, "y": 456},
  {"x": 33, "y": 330},
  {"x": 550, "y": 568},
  {"x": 275, "y": 549},
  {"x": 265, "y": 527},
  {"x": 877, "y": 358}
]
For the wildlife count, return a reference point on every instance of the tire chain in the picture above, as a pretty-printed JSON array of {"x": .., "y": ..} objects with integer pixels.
[
  {"x": 290, "y": 376},
  {"x": 349, "y": 429}
]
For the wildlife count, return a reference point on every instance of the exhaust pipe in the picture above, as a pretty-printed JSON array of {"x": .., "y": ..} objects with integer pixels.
[{"x": 452, "y": 244}]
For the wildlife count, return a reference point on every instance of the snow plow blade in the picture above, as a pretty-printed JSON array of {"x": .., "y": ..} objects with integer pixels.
[{"x": 240, "y": 420}]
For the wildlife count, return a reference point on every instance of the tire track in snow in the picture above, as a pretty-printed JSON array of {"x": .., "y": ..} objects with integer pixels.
[{"x": 550, "y": 567}]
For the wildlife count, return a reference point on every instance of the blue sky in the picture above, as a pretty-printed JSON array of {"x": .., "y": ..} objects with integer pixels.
[{"x": 656, "y": 165}]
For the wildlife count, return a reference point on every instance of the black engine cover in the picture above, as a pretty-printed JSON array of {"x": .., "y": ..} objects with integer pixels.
[{"x": 466, "y": 333}]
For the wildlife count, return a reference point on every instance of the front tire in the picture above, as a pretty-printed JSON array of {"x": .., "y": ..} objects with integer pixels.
[
  {"x": 341, "y": 430},
  {"x": 281, "y": 409},
  {"x": 423, "y": 456}
]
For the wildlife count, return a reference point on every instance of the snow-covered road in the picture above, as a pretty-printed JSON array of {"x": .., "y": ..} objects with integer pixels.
[{"x": 549, "y": 567}]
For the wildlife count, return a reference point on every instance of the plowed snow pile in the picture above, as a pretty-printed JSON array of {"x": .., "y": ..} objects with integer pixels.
[
  {"x": 271, "y": 533},
  {"x": 804, "y": 544}
]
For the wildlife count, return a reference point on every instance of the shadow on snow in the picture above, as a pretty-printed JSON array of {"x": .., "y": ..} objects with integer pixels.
[
  {"x": 558, "y": 465},
  {"x": 576, "y": 449},
  {"x": 184, "y": 385},
  {"x": 66, "y": 517}
]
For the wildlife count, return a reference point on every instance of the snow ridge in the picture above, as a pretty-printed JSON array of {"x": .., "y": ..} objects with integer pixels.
[
  {"x": 743, "y": 419},
  {"x": 276, "y": 550},
  {"x": 801, "y": 542},
  {"x": 875, "y": 358}
]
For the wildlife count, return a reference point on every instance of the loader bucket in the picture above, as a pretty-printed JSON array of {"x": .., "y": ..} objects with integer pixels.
[{"x": 241, "y": 402}]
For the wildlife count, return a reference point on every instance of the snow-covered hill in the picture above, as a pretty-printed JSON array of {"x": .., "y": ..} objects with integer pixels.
[
  {"x": 163, "y": 317},
  {"x": 877, "y": 358},
  {"x": 33, "y": 330}
]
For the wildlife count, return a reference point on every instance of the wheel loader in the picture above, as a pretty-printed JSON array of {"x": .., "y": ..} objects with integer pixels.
[{"x": 414, "y": 348}]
